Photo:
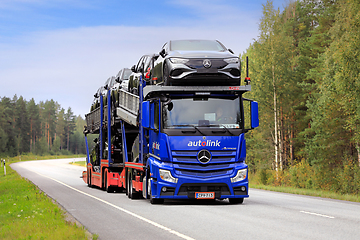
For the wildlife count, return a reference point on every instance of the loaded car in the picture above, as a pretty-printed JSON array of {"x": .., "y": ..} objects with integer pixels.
[
  {"x": 122, "y": 79},
  {"x": 107, "y": 86},
  {"x": 96, "y": 102},
  {"x": 120, "y": 82},
  {"x": 142, "y": 68},
  {"x": 196, "y": 62}
]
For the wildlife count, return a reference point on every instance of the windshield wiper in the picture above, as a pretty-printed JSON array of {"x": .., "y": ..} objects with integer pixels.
[
  {"x": 218, "y": 125},
  {"x": 189, "y": 125}
]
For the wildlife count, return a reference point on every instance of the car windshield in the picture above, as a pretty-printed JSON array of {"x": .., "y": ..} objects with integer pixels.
[
  {"x": 202, "y": 112},
  {"x": 196, "y": 45},
  {"x": 127, "y": 73}
]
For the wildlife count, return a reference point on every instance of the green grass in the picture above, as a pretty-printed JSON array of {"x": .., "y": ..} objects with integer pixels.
[
  {"x": 79, "y": 163},
  {"x": 27, "y": 213},
  {"x": 308, "y": 192}
]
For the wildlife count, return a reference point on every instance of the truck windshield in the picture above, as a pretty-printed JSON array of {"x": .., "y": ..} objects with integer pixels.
[{"x": 202, "y": 112}]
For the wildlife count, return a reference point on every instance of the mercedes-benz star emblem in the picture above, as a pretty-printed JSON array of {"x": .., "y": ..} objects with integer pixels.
[
  {"x": 204, "y": 156},
  {"x": 207, "y": 63}
]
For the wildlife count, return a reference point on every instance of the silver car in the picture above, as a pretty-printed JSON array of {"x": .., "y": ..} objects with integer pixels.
[{"x": 196, "y": 62}]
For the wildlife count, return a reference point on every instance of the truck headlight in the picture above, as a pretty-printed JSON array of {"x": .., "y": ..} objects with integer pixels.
[
  {"x": 241, "y": 175},
  {"x": 165, "y": 175}
]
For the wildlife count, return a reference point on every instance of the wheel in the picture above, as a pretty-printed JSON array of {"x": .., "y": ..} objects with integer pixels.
[
  {"x": 89, "y": 180},
  {"x": 131, "y": 193},
  {"x": 134, "y": 91},
  {"x": 154, "y": 200},
  {"x": 107, "y": 188},
  {"x": 236, "y": 200},
  {"x": 166, "y": 77}
]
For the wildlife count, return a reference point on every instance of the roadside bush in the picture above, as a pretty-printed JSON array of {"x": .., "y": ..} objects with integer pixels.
[
  {"x": 263, "y": 176},
  {"x": 301, "y": 175},
  {"x": 348, "y": 178}
]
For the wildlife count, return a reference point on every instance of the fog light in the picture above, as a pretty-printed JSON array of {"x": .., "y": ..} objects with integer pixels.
[
  {"x": 163, "y": 189},
  {"x": 243, "y": 189}
]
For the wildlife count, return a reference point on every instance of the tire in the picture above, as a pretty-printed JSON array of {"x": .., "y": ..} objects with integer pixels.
[
  {"x": 166, "y": 77},
  {"x": 131, "y": 193},
  {"x": 134, "y": 91},
  {"x": 89, "y": 182},
  {"x": 155, "y": 200},
  {"x": 107, "y": 188},
  {"x": 236, "y": 200},
  {"x": 129, "y": 185}
]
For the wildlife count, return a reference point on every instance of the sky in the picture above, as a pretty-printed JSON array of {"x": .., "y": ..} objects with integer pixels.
[{"x": 66, "y": 49}]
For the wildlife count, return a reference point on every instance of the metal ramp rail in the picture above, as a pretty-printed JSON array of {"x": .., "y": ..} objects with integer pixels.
[{"x": 127, "y": 111}]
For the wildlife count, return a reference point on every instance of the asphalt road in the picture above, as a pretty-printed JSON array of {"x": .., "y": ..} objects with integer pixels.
[{"x": 265, "y": 215}]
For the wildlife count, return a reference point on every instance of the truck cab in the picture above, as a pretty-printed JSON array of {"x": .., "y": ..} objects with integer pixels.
[{"x": 196, "y": 142}]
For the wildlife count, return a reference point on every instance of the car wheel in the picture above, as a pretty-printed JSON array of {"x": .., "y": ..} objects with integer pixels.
[
  {"x": 134, "y": 91},
  {"x": 166, "y": 76}
]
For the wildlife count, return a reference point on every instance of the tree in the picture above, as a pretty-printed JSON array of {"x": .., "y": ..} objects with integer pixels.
[
  {"x": 34, "y": 120},
  {"x": 22, "y": 126},
  {"x": 69, "y": 126},
  {"x": 60, "y": 130}
]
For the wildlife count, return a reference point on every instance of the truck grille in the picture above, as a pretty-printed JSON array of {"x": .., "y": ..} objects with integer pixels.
[{"x": 187, "y": 164}]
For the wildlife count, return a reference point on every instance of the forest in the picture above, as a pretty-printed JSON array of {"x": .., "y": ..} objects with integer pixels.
[
  {"x": 43, "y": 128},
  {"x": 305, "y": 74}
]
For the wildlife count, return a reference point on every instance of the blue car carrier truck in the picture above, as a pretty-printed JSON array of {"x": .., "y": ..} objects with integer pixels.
[{"x": 172, "y": 142}]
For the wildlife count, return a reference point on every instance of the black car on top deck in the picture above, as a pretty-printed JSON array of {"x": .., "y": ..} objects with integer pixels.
[{"x": 196, "y": 62}]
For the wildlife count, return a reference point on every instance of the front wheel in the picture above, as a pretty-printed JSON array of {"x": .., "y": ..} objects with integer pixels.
[
  {"x": 154, "y": 200},
  {"x": 166, "y": 76}
]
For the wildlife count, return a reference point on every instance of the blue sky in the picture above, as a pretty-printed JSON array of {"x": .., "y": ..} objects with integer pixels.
[{"x": 65, "y": 49}]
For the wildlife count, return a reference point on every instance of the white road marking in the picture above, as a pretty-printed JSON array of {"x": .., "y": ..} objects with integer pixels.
[
  {"x": 124, "y": 210},
  {"x": 317, "y": 214}
]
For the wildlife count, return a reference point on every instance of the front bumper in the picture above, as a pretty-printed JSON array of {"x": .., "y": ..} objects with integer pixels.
[
  {"x": 186, "y": 187},
  {"x": 182, "y": 74}
]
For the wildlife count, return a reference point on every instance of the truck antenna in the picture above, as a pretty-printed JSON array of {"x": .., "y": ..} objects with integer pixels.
[{"x": 247, "y": 79}]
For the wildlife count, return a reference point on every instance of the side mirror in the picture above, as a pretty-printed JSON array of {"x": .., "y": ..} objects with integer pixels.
[
  {"x": 155, "y": 57},
  {"x": 133, "y": 68},
  {"x": 231, "y": 51},
  {"x": 162, "y": 53},
  {"x": 251, "y": 114},
  {"x": 118, "y": 80},
  {"x": 145, "y": 118},
  {"x": 254, "y": 114}
]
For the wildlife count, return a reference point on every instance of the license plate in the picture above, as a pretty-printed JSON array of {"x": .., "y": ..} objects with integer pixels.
[
  {"x": 206, "y": 70},
  {"x": 204, "y": 195}
]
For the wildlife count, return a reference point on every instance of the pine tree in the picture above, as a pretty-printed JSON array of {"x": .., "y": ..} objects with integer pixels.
[
  {"x": 22, "y": 125},
  {"x": 70, "y": 126},
  {"x": 34, "y": 120}
]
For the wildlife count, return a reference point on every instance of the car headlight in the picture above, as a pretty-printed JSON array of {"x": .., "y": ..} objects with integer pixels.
[
  {"x": 165, "y": 175},
  {"x": 179, "y": 60},
  {"x": 231, "y": 60},
  {"x": 241, "y": 175}
]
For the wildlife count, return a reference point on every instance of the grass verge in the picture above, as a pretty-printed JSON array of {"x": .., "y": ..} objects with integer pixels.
[
  {"x": 308, "y": 192},
  {"x": 79, "y": 163},
  {"x": 27, "y": 213}
]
